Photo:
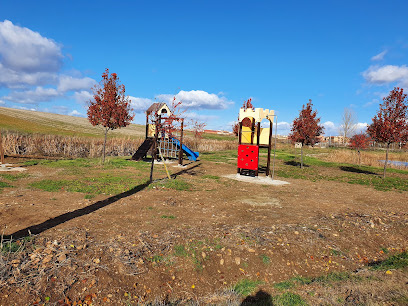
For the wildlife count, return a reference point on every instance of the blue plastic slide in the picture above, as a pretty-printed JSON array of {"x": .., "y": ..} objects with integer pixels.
[{"x": 191, "y": 155}]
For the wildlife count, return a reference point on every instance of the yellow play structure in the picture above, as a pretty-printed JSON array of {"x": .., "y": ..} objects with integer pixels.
[{"x": 251, "y": 130}]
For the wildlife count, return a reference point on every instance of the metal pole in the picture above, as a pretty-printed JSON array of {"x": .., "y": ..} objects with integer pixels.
[
  {"x": 268, "y": 163},
  {"x": 274, "y": 150}
]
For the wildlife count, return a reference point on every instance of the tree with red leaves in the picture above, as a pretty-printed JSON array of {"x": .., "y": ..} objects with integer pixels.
[
  {"x": 390, "y": 124},
  {"x": 359, "y": 142},
  {"x": 306, "y": 128},
  {"x": 197, "y": 128},
  {"x": 109, "y": 107}
]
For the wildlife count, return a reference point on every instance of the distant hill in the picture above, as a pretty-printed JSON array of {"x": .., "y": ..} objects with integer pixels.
[{"x": 47, "y": 123}]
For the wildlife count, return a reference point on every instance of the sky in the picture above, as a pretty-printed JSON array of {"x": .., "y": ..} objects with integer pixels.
[{"x": 211, "y": 55}]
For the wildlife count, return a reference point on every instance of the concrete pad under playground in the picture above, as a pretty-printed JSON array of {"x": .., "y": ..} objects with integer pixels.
[
  {"x": 262, "y": 180},
  {"x": 9, "y": 167}
]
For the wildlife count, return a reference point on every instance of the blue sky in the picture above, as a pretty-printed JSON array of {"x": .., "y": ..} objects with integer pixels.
[{"x": 212, "y": 55}]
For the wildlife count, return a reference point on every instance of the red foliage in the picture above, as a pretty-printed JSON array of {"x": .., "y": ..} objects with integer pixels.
[
  {"x": 359, "y": 141},
  {"x": 170, "y": 124},
  {"x": 109, "y": 106},
  {"x": 248, "y": 104},
  {"x": 390, "y": 124},
  {"x": 306, "y": 128},
  {"x": 235, "y": 128},
  {"x": 198, "y": 128}
]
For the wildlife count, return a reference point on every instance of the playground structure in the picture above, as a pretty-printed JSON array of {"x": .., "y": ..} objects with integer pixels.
[
  {"x": 163, "y": 137},
  {"x": 251, "y": 137}
]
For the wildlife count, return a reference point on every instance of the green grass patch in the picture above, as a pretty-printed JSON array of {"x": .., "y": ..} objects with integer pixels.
[
  {"x": 14, "y": 177},
  {"x": 265, "y": 259},
  {"x": 288, "y": 298},
  {"x": 302, "y": 280},
  {"x": 104, "y": 184},
  {"x": 246, "y": 286},
  {"x": 31, "y": 163},
  {"x": 14, "y": 246},
  {"x": 167, "y": 217},
  {"x": 89, "y": 196},
  {"x": 4, "y": 185},
  {"x": 284, "y": 285},
  {"x": 336, "y": 277},
  {"x": 397, "y": 261},
  {"x": 180, "y": 250},
  {"x": 228, "y": 156},
  {"x": 195, "y": 250},
  {"x": 211, "y": 177}
]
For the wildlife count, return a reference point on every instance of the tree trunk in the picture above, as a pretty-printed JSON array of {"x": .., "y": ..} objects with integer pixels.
[
  {"x": 104, "y": 145},
  {"x": 386, "y": 160},
  {"x": 359, "y": 158},
  {"x": 301, "y": 157}
]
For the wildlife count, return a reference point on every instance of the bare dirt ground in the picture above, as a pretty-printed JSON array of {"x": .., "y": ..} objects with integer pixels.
[{"x": 154, "y": 242}]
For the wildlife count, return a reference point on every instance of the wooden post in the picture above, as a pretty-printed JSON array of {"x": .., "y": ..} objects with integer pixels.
[
  {"x": 258, "y": 134},
  {"x": 239, "y": 141},
  {"x": 154, "y": 147},
  {"x": 180, "y": 157},
  {"x": 268, "y": 164},
  {"x": 252, "y": 131},
  {"x": 1, "y": 149},
  {"x": 147, "y": 125},
  {"x": 240, "y": 133}
]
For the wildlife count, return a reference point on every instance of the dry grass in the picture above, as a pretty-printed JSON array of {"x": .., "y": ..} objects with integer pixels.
[
  {"x": 368, "y": 158},
  {"x": 73, "y": 146},
  {"x": 65, "y": 146}
]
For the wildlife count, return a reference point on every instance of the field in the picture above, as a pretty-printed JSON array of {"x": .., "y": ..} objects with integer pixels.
[
  {"x": 87, "y": 233},
  {"x": 26, "y": 121}
]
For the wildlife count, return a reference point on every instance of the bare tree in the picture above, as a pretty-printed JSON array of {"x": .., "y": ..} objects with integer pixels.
[{"x": 348, "y": 123}]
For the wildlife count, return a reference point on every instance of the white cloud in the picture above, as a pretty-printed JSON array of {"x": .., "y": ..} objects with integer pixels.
[
  {"x": 330, "y": 128},
  {"x": 69, "y": 83},
  {"x": 372, "y": 102},
  {"x": 23, "y": 50},
  {"x": 199, "y": 118},
  {"x": 82, "y": 96},
  {"x": 197, "y": 99},
  {"x": 140, "y": 105},
  {"x": 2, "y": 102},
  {"x": 283, "y": 128},
  {"x": 16, "y": 79},
  {"x": 379, "y": 56},
  {"x": 386, "y": 74},
  {"x": 40, "y": 94},
  {"x": 75, "y": 113},
  {"x": 361, "y": 127}
]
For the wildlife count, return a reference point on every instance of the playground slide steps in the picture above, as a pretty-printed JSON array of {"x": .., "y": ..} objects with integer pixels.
[
  {"x": 143, "y": 149},
  {"x": 191, "y": 155}
]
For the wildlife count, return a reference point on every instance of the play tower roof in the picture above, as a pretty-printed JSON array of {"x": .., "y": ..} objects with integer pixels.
[{"x": 258, "y": 114}]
